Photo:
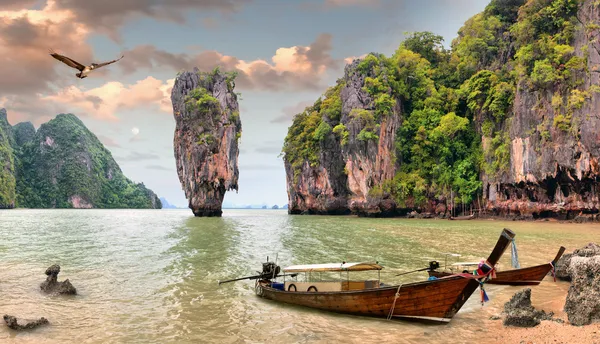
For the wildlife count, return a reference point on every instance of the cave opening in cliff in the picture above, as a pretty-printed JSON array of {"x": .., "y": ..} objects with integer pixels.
[
  {"x": 544, "y": 214},
  {"x": 551, "y": 186}
]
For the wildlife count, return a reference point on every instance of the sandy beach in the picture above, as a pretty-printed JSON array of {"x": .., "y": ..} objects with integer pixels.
[{"x": 548, "y": 331}]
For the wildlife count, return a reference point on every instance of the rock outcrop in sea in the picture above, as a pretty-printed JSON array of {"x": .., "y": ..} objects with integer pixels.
[
  {"x": 23, "y": 324},
  {"x": 505, "y": 122},
  {"x": 52, "y": 286},
  {"x": 207, "y": 131}
]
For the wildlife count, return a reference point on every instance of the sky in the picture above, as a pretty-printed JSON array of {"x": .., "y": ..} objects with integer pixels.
[{"x": 288, "y": 53}]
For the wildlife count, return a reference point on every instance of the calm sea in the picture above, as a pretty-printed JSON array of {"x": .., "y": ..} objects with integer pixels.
[{"x": 150, "y": 276}]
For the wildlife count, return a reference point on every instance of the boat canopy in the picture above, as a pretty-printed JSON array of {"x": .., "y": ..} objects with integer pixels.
[{"x": 365, "y": 266}]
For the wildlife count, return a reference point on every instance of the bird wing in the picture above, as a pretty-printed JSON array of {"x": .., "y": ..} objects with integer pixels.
[
  {"x": 98, "y": 65},
  {"x": 68, "y": 61}
]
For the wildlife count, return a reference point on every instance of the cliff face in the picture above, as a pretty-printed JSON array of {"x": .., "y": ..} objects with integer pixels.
[
  {"x": 7, "y": 164},
  {"x": 554, "y": 131},
  {"x": 207, "y": 131},
  {"x": 353, "y": 149},
  {"x": 64, "y": 165},
  {"x": 505, "y": 122}
]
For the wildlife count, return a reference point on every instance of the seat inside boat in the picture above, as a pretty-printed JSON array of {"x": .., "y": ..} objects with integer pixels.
[{"x": 331, "y": 277}]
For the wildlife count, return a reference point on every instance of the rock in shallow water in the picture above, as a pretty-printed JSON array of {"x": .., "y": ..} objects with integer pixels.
[
  {"x": 23, "y": 324},
  {"x": 51, "y": 284},
  {"x": 583, "y": 300},
  {"x": 520, "y": 313}
]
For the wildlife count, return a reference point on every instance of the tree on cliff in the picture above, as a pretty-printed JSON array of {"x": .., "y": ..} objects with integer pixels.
[{"x": 458, "y": 115}]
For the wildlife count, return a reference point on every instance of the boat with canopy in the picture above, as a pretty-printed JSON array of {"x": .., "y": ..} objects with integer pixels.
[{"x": 433, "y": 300}]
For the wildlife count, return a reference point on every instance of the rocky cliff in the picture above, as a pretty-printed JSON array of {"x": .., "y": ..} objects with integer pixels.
[
  {"x": 64, "y": 165},
  {"x": 7, "y": 164},
  {"x": 343, "y": 145},
  {"x": 207, "y": 131},
  {"x": 553, "y": 130},
  {"x": 505, "y": 122}
]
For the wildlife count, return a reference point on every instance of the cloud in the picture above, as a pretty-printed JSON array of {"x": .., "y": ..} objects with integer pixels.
[
  {"x": 296, "y": 67},
  {"x": 102, "y": 102},
  {"x": 256, "y": 167},
  {"x": 26, "y": 36},
  {"x": 159, "y": 168},
  {"x": 136, "y": 156},
  {"x": 342, "y": 3},
  {"x": 290, "y": 111},
  {"x": 109, "y": 15},
  {"x": 349, "y": 59},
  {"x": 270, "y": 147},
  {"x": 107, "y": 141}
]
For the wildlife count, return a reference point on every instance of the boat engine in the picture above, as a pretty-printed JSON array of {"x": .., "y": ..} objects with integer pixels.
[
  {"x": 269, "y": 270},
  {"x": 434, "y": 264}
]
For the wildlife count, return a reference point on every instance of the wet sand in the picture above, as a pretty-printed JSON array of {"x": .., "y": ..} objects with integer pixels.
[{"x": 548, "y": 331}]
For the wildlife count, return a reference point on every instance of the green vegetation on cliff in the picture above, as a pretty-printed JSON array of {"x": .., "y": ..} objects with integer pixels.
[
  {"x": 7, "y": 164},
  {"x": 63, "y": 165},
  {"x": 457, "y": 104}
]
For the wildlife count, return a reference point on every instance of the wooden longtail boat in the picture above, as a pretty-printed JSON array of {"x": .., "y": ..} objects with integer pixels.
[
  {"x": 466, "y": 217},
  {"x": 435, "y": 300},
  {"x": 532, "y": 275}
]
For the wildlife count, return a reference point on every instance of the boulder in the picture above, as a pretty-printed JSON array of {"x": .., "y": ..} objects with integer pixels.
[
  {"x": 23, "y": 324},
  {"x": 583, "y": 300},
  {"x": 51, "y": 284},
  {"x": 562, "y": 266},
  {"x": 520, "y": 313}
]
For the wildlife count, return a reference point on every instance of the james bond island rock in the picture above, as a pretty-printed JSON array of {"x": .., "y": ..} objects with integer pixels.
[
  {"x": 64, "y": 165},
  {"x": 52, "y": 286},
  {"x": 207, "y": 131},
  {"x": 23, "y": 324},
  {"x": 503, "y": 123},
  {"x": 7, "y": 164}
]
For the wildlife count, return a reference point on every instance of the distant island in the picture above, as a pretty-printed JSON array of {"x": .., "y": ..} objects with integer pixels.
[
  {"x": 167, "y": 205},
  {"x": 63, "y": 165}
]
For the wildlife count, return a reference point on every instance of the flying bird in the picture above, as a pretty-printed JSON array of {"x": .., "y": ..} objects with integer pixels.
[{"x": 83, "y": 70}]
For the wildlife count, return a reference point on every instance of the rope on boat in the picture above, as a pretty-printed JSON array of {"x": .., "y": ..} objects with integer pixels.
[
  {"x": 514, "y": 255},
  {"x": 396, "y": 296}
]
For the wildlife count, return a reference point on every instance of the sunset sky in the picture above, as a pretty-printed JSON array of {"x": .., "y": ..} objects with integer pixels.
[{"x": 288, "y": 53}]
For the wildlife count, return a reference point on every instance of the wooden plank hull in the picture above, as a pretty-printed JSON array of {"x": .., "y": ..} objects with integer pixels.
[
  {"x": 526, "y": 276},
  {"x": 436, "y": 300}
]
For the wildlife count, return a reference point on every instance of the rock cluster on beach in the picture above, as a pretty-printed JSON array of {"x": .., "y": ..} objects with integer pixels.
[
  {"x": 23, "y": 324},
  {"x": 520, "y": 313},
  {"x": 562, "y": 266},
  {"x": 583, "y": 300},
  {"x": 51, "y": 284}
]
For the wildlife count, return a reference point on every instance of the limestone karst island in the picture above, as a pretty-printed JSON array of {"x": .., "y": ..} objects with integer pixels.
[{"x": 315, "y": 171}]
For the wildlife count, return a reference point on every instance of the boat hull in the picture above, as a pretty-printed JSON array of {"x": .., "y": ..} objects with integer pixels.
[
  {"x": 437, "y": 300},
  {"x": 526, "y": 276}
]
